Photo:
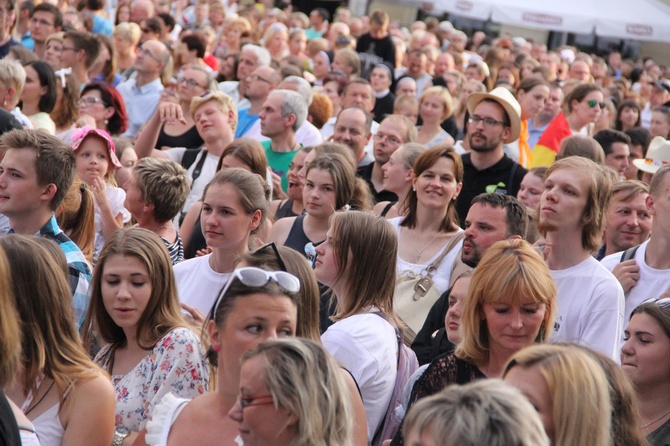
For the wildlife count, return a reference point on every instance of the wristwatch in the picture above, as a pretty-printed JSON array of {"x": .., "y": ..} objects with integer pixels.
[{"x": 120, "y": 434}]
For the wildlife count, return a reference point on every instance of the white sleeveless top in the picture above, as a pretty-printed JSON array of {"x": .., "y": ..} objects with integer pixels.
[{"x": 48, "y": 427}]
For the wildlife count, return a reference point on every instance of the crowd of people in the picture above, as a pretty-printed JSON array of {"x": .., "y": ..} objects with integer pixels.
[{"x": 257, "y": 223}]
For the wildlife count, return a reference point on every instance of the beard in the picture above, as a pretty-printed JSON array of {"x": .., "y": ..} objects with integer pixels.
[
  {"x": 545, "y": 226},
  {"x": 484, "y": 144}
]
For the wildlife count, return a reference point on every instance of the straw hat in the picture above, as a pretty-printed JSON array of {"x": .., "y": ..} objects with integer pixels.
[
  {"x": 658, "y": 155},
  {"x": 507, "y": 101}
]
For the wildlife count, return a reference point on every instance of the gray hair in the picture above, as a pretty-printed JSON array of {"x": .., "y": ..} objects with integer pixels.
[
  {"x": 263, "y": 57},
  {"x": 293, "y": 103},
  {"x": 303, "y": 87}
]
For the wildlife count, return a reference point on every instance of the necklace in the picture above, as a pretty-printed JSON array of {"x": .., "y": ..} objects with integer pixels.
[
  {"x": 657, "y": 419},
  {"x": 27, "y": 411},
  {"x": 419, "y": 252}
]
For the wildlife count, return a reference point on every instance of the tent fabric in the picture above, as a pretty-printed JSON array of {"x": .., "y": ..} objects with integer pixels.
[{"x": 640, "y": 20}]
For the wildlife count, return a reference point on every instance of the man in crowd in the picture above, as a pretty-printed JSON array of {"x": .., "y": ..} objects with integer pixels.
[
  {"x": 259, "y": 84},
  {"x": 615, "y": 144},
  {"x": 46, "y": 20},
  {"x": 571, "y": 217},
  {"x": 376, "y": 46},
  {"x": 251, "y": 57},
  {"x": 352, "y": 129},
  {"x": 80, "y": 51}
]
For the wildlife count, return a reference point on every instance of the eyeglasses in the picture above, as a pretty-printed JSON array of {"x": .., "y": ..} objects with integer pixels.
[
  {"x": 257, "y": 278},
  {"x": 255, "y": 77},
  {"x": 190, "y": 82},
  {"x": 273, "y": 246},
  {"x": 90, "y": 101},
  {"x": 592, "y": 103},
  {"x": 488, "y": 122},
  {"x": 254, "y": 400},
  {"x": 146, "y": 52},
  {"x": 69, "y": 48},
  {"x": 390, "y": 139}
]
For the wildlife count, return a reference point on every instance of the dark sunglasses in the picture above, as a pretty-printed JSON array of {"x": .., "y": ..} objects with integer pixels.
[
  {"x": 275, "y": 250},
  {"x": 592, "y": 103}
]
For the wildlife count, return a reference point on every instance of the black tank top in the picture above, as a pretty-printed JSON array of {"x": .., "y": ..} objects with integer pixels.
[
  {"x": 190, "y": 139},
  {"x": 285, "y": 210}
]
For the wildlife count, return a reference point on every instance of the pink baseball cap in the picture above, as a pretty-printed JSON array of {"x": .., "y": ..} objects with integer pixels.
[{"x": 79, "y": 135}]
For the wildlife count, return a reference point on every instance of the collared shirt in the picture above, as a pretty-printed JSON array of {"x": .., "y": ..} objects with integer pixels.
[
  {"x": 141, "y": 103},
  {"x": 79, "y": 271}
]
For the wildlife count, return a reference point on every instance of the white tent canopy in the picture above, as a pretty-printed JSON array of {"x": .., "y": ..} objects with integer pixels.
[{"x": 647, "y": 20}]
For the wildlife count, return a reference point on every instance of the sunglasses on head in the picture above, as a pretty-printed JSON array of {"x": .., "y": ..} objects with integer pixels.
[
  {"x": 257, "y": 278},
  {"x": 592, "y": 103},
  {"x": 275, "y": 250}
]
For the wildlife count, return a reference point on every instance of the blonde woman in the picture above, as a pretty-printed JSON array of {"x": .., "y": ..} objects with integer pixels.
[{"x": 435, "y": 105}]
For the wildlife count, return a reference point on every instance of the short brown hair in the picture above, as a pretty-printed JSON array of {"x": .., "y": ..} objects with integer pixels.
[{"x": 164, "y": 184}]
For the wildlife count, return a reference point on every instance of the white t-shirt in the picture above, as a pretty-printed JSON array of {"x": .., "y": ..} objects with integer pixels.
[
  {"x": 652, "y": 282},
  {"x": 198, "y": 284},
  {"x": 206, "y": 174},
  {"x": 365, "y": 344},
  {"x": 590, "y": 307}
]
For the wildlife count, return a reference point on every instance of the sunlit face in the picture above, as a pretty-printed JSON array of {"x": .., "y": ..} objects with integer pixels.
[
  {"x": 225, "y": 223},
  {"x": 294, "y": 191},
  {"x": 564, "y": 199},
  {"x": 326, "y": 269},
  {"x": 484, "y": 226},
  {"x": 659, "y": 125},
  {"x": 629, "y": 117},
  {"x": 533, "y": 385},
  {"x": 126, "y": 291},
  {"x": 431, "y": 109},
  {"x": 409, "y": 111},
  {"x": 584, "y": 110},
  {"x": 532, "y": 102},
  {"x": 512, "y": 326},
  {"x": 52, "y": 54},
  {"x": 298, "y": 44},
  {"x": 437, "y": 185},
  {"x": 628, "y": 222},
  {"x": 530, "y": 190}
]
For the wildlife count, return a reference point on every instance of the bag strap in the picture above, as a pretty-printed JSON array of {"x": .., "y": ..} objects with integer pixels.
[
  {"x": 198, "y": 167},
  {"x": 452, "y": 243},
  {"x": 189, "y": 157},
  {"x": 629, "y": 253}
]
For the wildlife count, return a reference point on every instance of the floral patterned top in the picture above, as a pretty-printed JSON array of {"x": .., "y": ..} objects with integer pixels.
[{"x": 176, "y": 365}]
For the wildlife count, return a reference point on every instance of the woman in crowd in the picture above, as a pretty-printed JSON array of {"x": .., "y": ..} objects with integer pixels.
[
  {"x": 234, "y": 207},
  {"x": 532, "y": 94},
  {"x": 645, "y": 358},
  {"x": 149, "y": 350},
  {"x": 76, "y": 217},
  {"x": 381, "y": 79},
  {"x": 569, "y": 390},
  {"x": 329, "y": 185},
  {"x": 469, "y": 87},
  {"x": 398, "y": 178},
  {"x": 322, "y": 66},
  {"x": 54, "y": 46},
  {"x": 127, "y": 157},
  {"x": 66, "y": 109},
  {"x": 235, "y": 28},
  {"x": 510, "y": 305},
  {"x": 253, "y": 306},
  {"x": 405, "y": 86},
  {"x": 160, "y": 133},
  {"x": 39, "y": 95},
  {"x": 532, "y": 187},
  {"x": 584, "y": 105},
  {"x": 356, "y": 261},
  {"x": 126, "y": 37},
  {"x": 429, "y": 237},
  {"x": 103, "y": 108},
  {"x": 275, "y": 40},
  {"x": 297, "y": 385},
  {"x": 15, "y": 427},
  {"x": 243, "y": 153},
  {"x": 12, "y": 80},
  {"x": 293, "y": 206},
  {"x": 63, "y": 393},
  {"x": 297, "y": 46},
  {"x": 486, "y": 412},
  {"x": 347, "y": 61},
  {"x": 628, "y": 115}
]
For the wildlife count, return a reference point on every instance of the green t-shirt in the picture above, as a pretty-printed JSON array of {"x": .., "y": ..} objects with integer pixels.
[{"x": 279, "y": 162}]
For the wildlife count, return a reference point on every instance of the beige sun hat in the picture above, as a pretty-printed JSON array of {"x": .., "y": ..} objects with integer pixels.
[
  {"x": 507, "y": 101},
  {"x": 658, "y": 155}
]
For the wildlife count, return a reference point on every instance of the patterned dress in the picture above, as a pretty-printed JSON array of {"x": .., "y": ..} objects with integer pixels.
[{"x": 175, "y": 365}]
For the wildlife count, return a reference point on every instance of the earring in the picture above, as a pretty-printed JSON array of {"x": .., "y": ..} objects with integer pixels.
[
  {"x": 216, "y": 348},
  {"x": 414, "y": 188},
  {"x": 106, "y": 121}
]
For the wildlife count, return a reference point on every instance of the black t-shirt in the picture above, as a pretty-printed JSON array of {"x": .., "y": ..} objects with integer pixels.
[
  {"x": 496, "y": 179},
  {"x": 373, "y": 51}
]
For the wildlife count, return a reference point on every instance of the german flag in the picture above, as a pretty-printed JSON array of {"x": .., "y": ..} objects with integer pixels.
[{"x": 546, "y": 149}]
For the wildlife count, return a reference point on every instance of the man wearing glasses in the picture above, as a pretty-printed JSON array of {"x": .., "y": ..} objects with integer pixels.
[
  {"x": 80, "y": 51},
  {"x": 141, "y": 93},
  {"x": 259, "y": 84},
  {"x": 495, "y": 119},
  {"x": 46, "y": 20},
  {"x": 393, "y": 132}
]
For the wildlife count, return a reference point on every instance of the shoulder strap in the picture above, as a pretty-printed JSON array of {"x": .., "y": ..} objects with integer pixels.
[
  {"x": 387, "y": 208},
  {"x": 189, "y": 157},
  {"x": 629, "y": 253},
  {"x": 198, "y": 168},
  {"x": 436, "y": 263}
]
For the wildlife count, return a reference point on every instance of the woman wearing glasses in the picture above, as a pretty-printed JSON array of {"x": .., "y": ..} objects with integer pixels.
[
  {"x": 101, "y": 106},
  {"x": 172, "y": 124},
  {"x": 645, "y": 358},
  {"x": 148, "y": 348},
  {"x": 255, "y": 305},
  {"x": 584, "y": 105}
]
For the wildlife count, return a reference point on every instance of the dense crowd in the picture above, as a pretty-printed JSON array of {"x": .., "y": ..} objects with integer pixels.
[{"x": 272, "y": 224}]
